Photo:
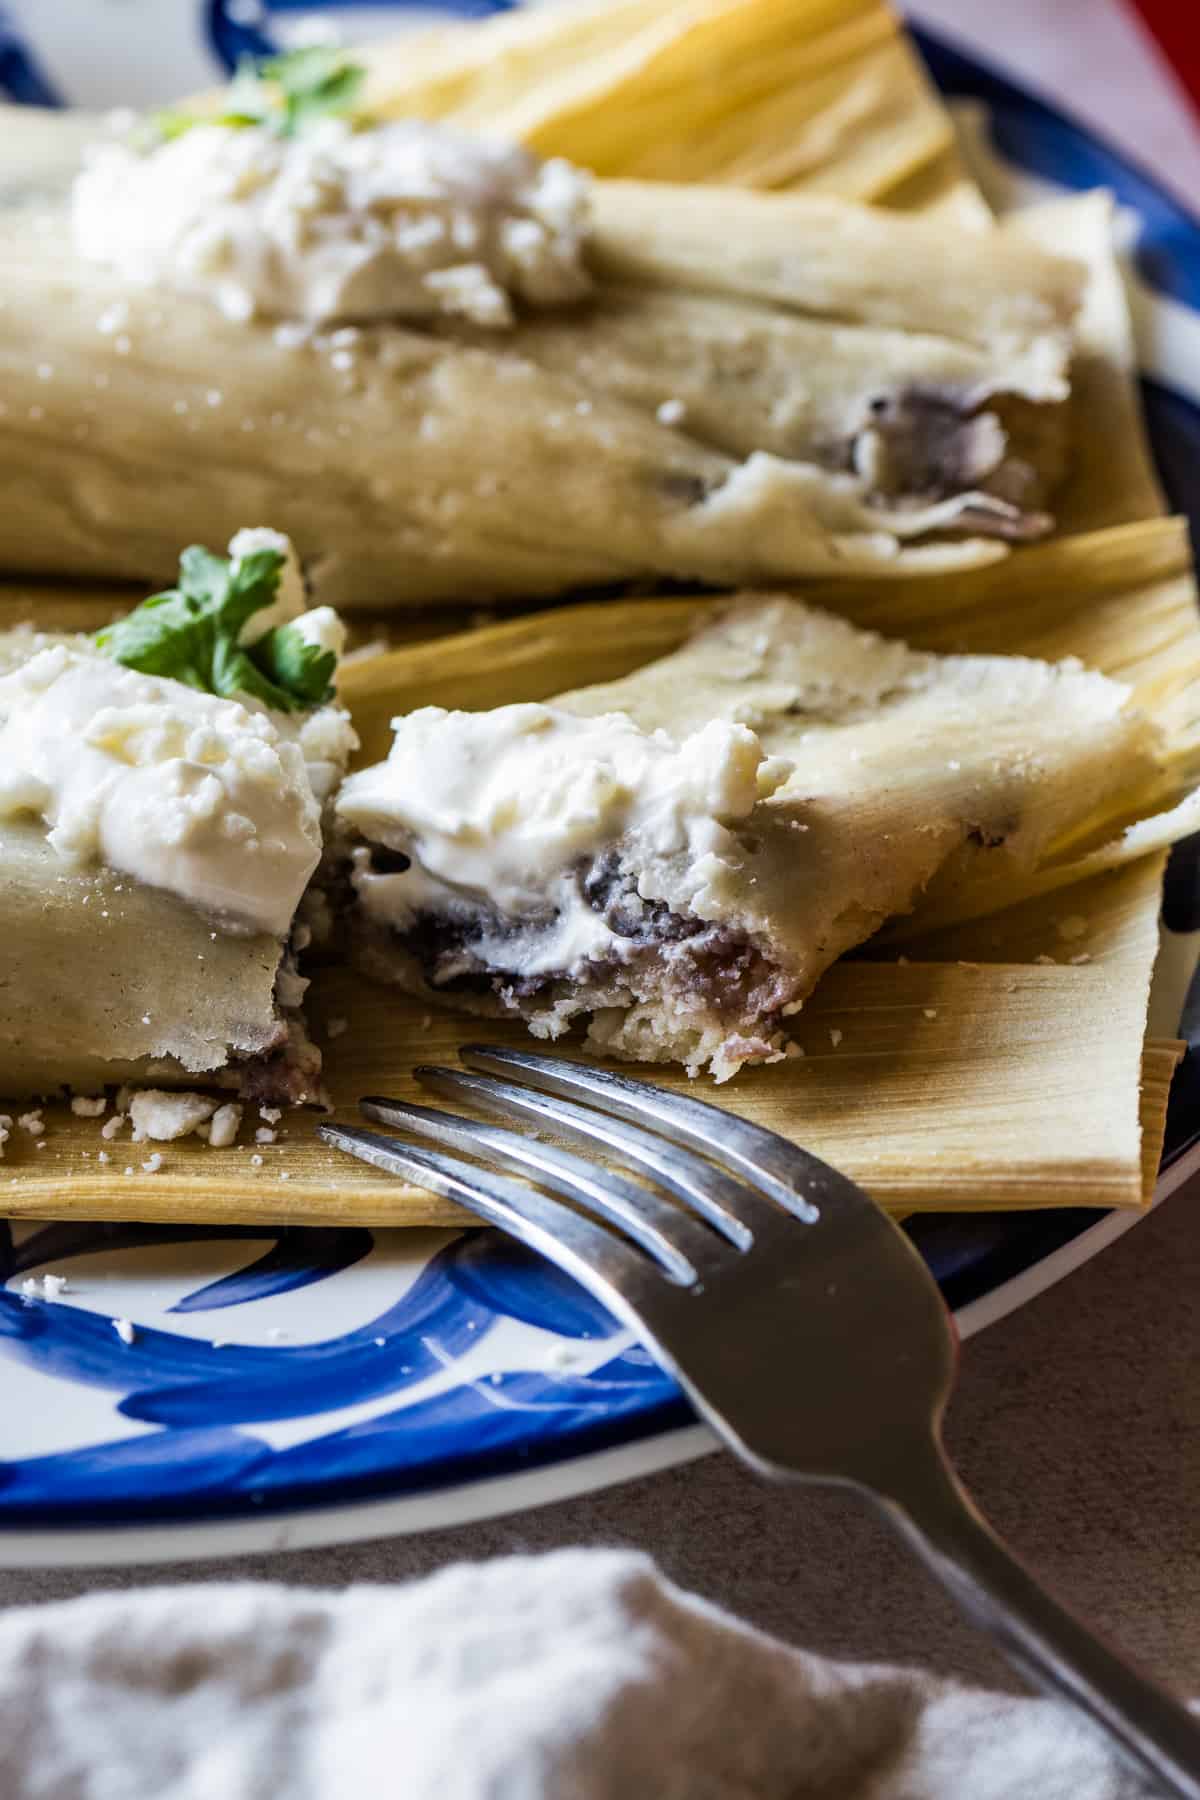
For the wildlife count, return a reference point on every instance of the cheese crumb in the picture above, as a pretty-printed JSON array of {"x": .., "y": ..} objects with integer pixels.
[
  {"x": 111, "y": 1126},
  {"x": 89, "y": 1107},
  {"x": 33, "y": 1123},
  {"x": 403, "y": 219},
  {"x": 43, "y": 1287},
  {"x": 163, "y": 1116},
  {"x": 124, "y": 1330},
  {"x": 835, "y": 1036},
  {"x": 226, "y": 1123},
  {"x": 671, "y": 412},
  {"x": 256, "y": 1162},
  {"x": 930, "y": 1012},
  {"x": 264, "y": 1135},
  {"x": 272, "y": 1114},
  {"x": 104, "y": 1157},
  {"x": 154, "y": 1165}
]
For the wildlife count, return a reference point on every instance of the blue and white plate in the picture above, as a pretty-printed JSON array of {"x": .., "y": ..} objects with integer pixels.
[{"x": 304, "y": 1387}]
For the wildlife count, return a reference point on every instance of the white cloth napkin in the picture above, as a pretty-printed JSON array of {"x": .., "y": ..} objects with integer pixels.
[{"x": 581, "y": 1675}]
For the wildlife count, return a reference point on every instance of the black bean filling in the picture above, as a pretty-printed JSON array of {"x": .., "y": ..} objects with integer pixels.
[
  {"x": 289, "y": 1076},
  {"x": 659, "y": 951},
  {"x": 936, "y": 444},
  {"x": 290, "y": 1073}
]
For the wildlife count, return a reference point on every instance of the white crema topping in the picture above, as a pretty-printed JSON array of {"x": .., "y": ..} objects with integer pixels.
[
  {"x": 407, "y": 220},
  {"x": 503, "y": 812},
  {"x": 178, "y": 789}
]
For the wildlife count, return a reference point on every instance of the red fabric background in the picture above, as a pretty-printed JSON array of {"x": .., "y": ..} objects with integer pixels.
[{"x": 1176, "y": 26}]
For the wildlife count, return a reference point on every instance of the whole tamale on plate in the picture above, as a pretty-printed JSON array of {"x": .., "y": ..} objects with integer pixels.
[
  {"x": 744, "y": 420},
  {"x": 273, "y": 1370}
]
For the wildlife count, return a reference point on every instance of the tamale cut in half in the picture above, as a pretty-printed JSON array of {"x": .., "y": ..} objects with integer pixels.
[
  {"x": 676, "y": 857},
  {"x": 737, "y": 388},
  {"x": 156, "y": 842}
]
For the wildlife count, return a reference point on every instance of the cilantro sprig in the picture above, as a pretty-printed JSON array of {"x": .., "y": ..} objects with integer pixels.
[
  {"x": 190, "y": 633},
  {"x": 284, "y": 93}
]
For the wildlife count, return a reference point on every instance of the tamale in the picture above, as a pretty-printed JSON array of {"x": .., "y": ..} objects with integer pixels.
[
  {"x": 672, "y": 891},
  {"x": 155, "y": 844},
  {"x": 431, "y": 466},
  {"x": 106, "y": 980}
]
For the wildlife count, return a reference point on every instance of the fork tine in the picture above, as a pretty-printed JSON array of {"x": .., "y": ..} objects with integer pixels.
[
  {"x": 791, "y": 1176},
  {"x": 620, "y": 1277},
  {"x": 680, "y": 1247},
  {"x": 735, "y": 1210}
]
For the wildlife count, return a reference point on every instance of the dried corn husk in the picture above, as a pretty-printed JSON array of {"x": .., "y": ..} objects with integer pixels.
[
  {"x": 764, "y": 93},
  {"x": 948, "y": 1087},
  {"x": 1111, "y": 479}
]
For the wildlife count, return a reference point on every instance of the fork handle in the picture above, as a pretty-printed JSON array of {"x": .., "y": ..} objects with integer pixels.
[{"x": 1045, "y": 1642}]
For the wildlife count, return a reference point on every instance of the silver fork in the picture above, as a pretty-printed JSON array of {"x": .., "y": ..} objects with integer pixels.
[{"x": 764, "y": 1259}]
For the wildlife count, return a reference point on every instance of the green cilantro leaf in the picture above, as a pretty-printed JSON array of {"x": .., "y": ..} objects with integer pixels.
[
  {"x": 285, "y": 93},
  {"x": 190, "y": 634},
  {"x": 298, "y": 667},
  {"x": 314, "y": 83}
]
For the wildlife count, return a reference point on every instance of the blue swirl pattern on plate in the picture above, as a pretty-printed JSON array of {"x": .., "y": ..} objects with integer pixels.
[
  {"x": 21, "y": 79},
  {"x": 471, "y": 1359}
]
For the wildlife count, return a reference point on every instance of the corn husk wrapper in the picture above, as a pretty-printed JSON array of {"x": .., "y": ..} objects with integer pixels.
[
  {"x": 759, "y": 92},
  {"x": 902, "y": 766},
  {"x": 947, "y": 1088},
  {"x": 1111, "y": 479}
]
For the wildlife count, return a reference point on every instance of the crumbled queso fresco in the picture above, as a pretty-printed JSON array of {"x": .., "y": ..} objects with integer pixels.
[{"x": 408, "y": 219}]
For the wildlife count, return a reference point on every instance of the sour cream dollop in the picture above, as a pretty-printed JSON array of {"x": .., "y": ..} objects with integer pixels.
[
  {"x": 402, "y": 220},
  {"x": 503, "y": 812}
]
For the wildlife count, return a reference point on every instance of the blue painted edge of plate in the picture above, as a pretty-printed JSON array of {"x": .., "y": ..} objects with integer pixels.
[
  {"x": 200, "y": 1467},
  {"x": 1045, "y": 141}
]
